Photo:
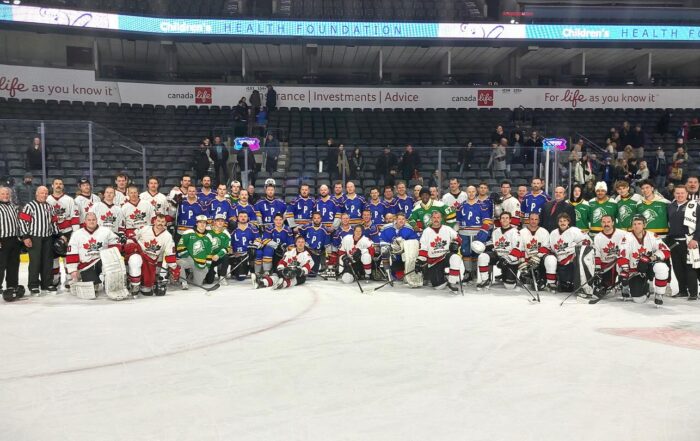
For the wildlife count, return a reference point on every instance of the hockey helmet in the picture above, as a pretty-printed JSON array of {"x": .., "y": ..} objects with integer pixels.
[
  {"x": 478, "y": 247},
  {"x": 270, "y": 182},
  {"x": 60, "y": 246}
]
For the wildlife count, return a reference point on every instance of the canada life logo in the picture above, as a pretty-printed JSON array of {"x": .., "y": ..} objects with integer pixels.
[
  {"x": 485, "y": 98},
  {"x": 202, "y": 95}
]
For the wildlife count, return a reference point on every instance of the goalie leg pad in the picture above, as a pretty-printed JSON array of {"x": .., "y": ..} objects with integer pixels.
[
  {"x": 584, "y": 269},
  {"x": 410, "y": 254},
  {"x": 661, "y": 274},
  {"x": 455, "y": 272},
  {"x": 366, "y": 260},
  {"x": 135, "y": 265},
  {"x": 484, "y": 262}
]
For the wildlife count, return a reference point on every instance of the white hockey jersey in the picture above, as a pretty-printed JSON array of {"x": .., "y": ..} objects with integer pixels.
[
  {"x": 348, "y": 245},
  {"x": 507, "y": 242},
  {"x": 303, "y": 260},
  {"x": 119, "y": 197},
  {"x": 84, "y": 247},
  {"x": 136, "y": 216},
  {"x": 434, "y": 245},
  {"x": 563, "y": 244},
  {"x": 83, "y": 204},
  {"x": 109, "y": 216},
  {"x": 534, "y": 244},
  {"x": 173, "y": 199},
  {"x": 632, "y": 249},
  {"x": 454, "y": 201},
  {"x": 607, "y": 248},
  {"x": 157, "y": 247},
  {"x": 510, "y": 205},
  {"x": 66, "y": 212},
  {"x": 158, "y": 201}
]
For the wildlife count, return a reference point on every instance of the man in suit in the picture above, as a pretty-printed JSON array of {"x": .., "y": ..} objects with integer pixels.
[
  {"x": 552, "y": 209},
  {"x": 219, "y": 153}
]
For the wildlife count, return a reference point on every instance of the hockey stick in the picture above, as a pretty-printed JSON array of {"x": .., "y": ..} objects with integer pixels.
[
  {"x": 232, "y": 269},
  {"x": 352, "y": 270},
  {"x": 370, "y": 290},
  {"x": 521, "y": 284},
  {"x": 595, "y": 277},
  {"x": 534, "y": 282}
]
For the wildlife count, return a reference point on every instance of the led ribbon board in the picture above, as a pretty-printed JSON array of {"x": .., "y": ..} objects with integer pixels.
[
  {"x": 253, "y": 143},
  {"x": 554, "y": 143},
  {"x": 344, "y": 29}
]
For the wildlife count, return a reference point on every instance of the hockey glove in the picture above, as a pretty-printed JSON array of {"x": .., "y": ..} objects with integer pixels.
[
  {"x": 535, "y": 260},
  {"x": 347, "y": 260},
  {"x": 121, "y": 238},
  {"x": 454, "y": 247},
  {"x": 273, "y": 244},
  {"x": 420, "y": 265},
  {"x": 482, "y": 236},
  {"x": 644, "y": 264},
  {"x": 625, "y": 273},
  {"x": 175, "y": 273},
  {"x": 397, "y": 246},
  {"x": 357, "y": 254}
]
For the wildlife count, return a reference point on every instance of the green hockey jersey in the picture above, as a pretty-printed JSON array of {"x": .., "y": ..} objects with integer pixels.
[
  {"x": 420, "y": 217},
  {"x": 656, "y": 214},
  {"x": 220, "y": 243},
  {"x": 600, "y": 209},
  {"x": 626, "y": 209},
  {"x": 583, "y": 215},
  {"x": 196, "y": 246}
]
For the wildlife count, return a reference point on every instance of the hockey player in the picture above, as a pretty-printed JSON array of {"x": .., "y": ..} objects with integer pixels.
[
  {"x": 221, "y": 205},
  {"x": 137, "y": 213},
  {"x": 355, "y": 256},
  {"x": 188, "y": 211},
  {"x": 194, "y": 254},
  {"x": 455, "y": 196},
  {"x": 317, "y": 240},
  {"x": 371, "y": 230},
  {"x": 67, "y": 221},
  {"x": 404, "y": 202},
  {"x": 329, "y": 209},
  {"x": 438, "y": 260},
  {"x": 344, "y": 229},
  {"x": 534, "y": 200},
  {"x": 389, "y": 201},
  {"x": 627, "y": 205},
  {"x": 484, "y": 198},
  {"x": 267, "y": 208},
  {"x": 507, "y": 202},
  {"x": 583, "y": 210},
  {"x": 338, "y": 196},
  {"x": 474, "y": 224},
  {"x": 376, "y": 207},
  {"x": 353, "y": 204},
  {"x": 600, "y": 206},
  {"x": 534, "y": 241},
  {"x": 109, "y": 215},
  {"x": 145, "y": 253},
  {"x": 643, "y": 258},
  {"x": 607, "y": 246},
  {"x": 292, "y": 269},
  {"x": 220, "y": 240},
  {"x": 176, "y": 195},
  {"x": 158, "y": 201},
  {"x": 562, "y": 266},
  {"x": 83, "y": 256},
  {"x": 399, "y": 245},
  {"x": 654, "y": 208},
  {"x": 235, "y": 192},
  {"x": 121, "y": 183},
  {"x": 85, "y": 199},
  {"x": 206, "y": 195},
  {"x": 276, "y": 241},
  {"x": 504, "y": 251},
  {"x": 244, "y": 243},
  {"x": 423, "y": 210},
  {"x": 300, "y": 209},
  {"x": 243, "y": 206}
]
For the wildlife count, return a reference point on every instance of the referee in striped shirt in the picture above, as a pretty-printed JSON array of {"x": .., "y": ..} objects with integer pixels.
[
  {"x": 9, "y": 247},
  {"x": 37, "y": 227}
]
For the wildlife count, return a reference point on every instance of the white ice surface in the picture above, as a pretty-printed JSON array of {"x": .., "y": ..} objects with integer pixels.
[{"x": 323, "y": 362}]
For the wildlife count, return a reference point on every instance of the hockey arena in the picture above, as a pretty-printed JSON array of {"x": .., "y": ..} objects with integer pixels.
[{"x": 349, "y": 219}]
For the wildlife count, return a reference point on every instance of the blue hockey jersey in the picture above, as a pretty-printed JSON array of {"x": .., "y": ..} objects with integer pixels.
[
  {"x": 533, "y": 203},
  {"x": 329, "y": 209},
  {"x": 284, "y": 236},
  {"x": 390, "y": 232},
  {"x": 378, "y": 210},
  {"x": 241, "y": 239},
  {"x": 247, "y": 208},
  {"x": 299, "y": 211},
  {"x": 473, "y": 217},
  {"x": 353, "y": 207},
  {"x": 266, "y": 209},
  {"x": 224, "y": 207},
  {"x": 187, "y": 214},
  {"x": 339, "y": 234},
  {"x": 371, "y": 232},
  {"x": 206, "y": 199},
  {"x": 405, "y": 205},
  {"x": 392, "y": 205},
  {"x": 316, "y": 237}
]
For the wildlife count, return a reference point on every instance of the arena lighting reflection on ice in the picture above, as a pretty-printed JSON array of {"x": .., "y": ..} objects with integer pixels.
[
  {"x": 554, "y": 143},
  {"x": 344, "y": 29}
]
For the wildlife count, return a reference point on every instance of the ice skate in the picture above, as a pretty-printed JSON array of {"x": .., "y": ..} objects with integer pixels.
[{"x": 658, "y": 299}]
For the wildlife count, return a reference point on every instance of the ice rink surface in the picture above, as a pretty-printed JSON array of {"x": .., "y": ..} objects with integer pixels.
[{"x": 324, "y": 362}]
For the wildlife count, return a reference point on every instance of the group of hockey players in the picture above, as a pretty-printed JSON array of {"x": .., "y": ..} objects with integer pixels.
[{"x": 208, "y": 237}]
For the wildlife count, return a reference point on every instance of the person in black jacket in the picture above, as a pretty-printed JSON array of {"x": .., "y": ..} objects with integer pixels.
[
  {"x": 552, "y": 209},
  {"x": 465, "y": 157},
  {"x": 219, "y": 153},
  {"x": 203, "y": 160},
  {"x": 331, "y": 159},
  {"x": 357, "y": 163},
  {"x": 385, "y": 163},
  {"x": 410, "y": 162},
  {"x": 34, "y": 155}
]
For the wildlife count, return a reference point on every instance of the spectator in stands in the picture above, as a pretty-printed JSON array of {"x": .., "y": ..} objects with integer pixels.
[
  {"x": 391, "y": 179},
  {"x": 615, "y": 139},
  {"x": 589, "y": 190},
  {"x": 534, "y": 142},
  {"x": 679, "y": 166},
  {"x": 637, "y": 141},
  {"x": 219, "y": 154},
  {"x": 385, "y": 163},
  {"x": 498, "y": 135},
  {"x": 203, "y": 160},
  {"x": 683, "y": 132},
  {"x": 522, "y": 191},
  {"x": 26, "y": 190},
  {"x": 436, "y": 179},
  {"x": 255, "y": 101},
  {"x": 416, "y": 192},
  {"x": 642, "y": 173},
  {"x": 552, "y": 209},
  {"x": 607, "y": 173},
  {"x": 272, "y": 148},
  {"x": 628, "y": 153},
  {"x": 626, "y": 133},
  {"x": 517, "y": 151},
  {"x": 261, "y": 121},
  {"x": 357, "y": 163},
  {"x": 497, "y": 161},
  {"x": 663, "y": 123},
  {"x": 331, "y": 158},
  {"x": 622, "y": 171},
  {"x": 34, "y": 156},
  {"x": 694, "y": 131},
  {"x": 658, "y": 167},
  {"x": 465, "y": 157},
  {"x": 342, "y": 163},
  {"x": 410, "y": 163},
  {"x": 610, "y": 149},
  {"x": 252, "y": 197},
  {"x": 241, "y": 158},
  {"x": 271, "y": 99},
  {"x": 668, "y": 191}
]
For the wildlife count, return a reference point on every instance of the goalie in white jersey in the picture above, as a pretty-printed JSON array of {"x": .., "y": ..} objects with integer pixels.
[
  {"x": 83, "y": 256},
  {"x": 355, "y": 256},
  {"x": 438, "y": 258},
  {"x": 607, "y": 245},
  {"x": 534, "y": 242},
  {"x": 291, "y": 270},
  {"x": 504, "y": 251},
  {"x": 566, "y": 264},
  {"x": 643, "y": 258}
]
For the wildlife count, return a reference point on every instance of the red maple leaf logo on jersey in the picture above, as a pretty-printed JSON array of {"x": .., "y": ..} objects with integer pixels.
[
  {"x": 533, "y": 245},
  {"x": 611, "y": 248},
  {"x": 438, "y": 243},
  {"x": 108, "y": 218},
  {"x": 137, "y": 215},
  {"x": 151, "y": 246},
  {"x": 59, "y": 211},
  {"x": 560, "y": 245},
  {"x": 639, "y": 253},
  {"x": 502, "y": 243},
  {"x": 92, "y": 245}
]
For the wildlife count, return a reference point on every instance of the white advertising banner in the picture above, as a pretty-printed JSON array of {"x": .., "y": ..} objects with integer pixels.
[{"x": 80, "y": 85}]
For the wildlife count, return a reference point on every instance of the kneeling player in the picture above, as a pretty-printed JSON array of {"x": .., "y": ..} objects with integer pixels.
[
  {"x": 83, "y": 256},
  {"x": 355, "y": 256},
  {"x": 643, "y": 258},
  {"x": 145, "y": 253},
  {"x": 220, "y": 248},
  {"x": 244, "y": 243},
  {"x": 276, "y": 240},
  {"x": 563, "y": 268},
  {"x": 194, "y": 252},
  {"x": 437, "y": 258},
  {"x": 399, "y": 245},
  {"x": 291, "y": 270},
  {"x": 535, "y": 245},
  {"x": 505, "y": 252},
  {"x": 607, "y": 246}
]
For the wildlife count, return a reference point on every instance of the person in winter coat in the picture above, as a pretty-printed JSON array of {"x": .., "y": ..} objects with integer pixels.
[
  {"x": 272, "y": 148},
  {"x": 465, "y": 157},
  {"x": 331, "y": 159},
  {"x": 203, "y": 160},
  {"x": 342, "y": 162},
  {"x": 357, "y": 163},
  {"x": 34, "y": 154},
  {"x": 658, "y": 168},
  {"x": 271, "y": 99},
  {"x": 255, "y": 101},
  {"x": 410, "y": 162},
  {"x": 385, "y": 163}
]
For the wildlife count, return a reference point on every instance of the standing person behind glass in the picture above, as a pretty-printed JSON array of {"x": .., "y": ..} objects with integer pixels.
[
  {"x": 465, "y": 157},
  {"x": 271, "y": 99},
  {"x": 219, "y": 154},
  {"x": 342, "y": 163},
  {"x": 357, "y": 163},
  {"x": 272, "y": 148},
  {"x": 34, "y": 156},
  {"x": 26, "y": 190},
  {"x": 203, "y": 160}
]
